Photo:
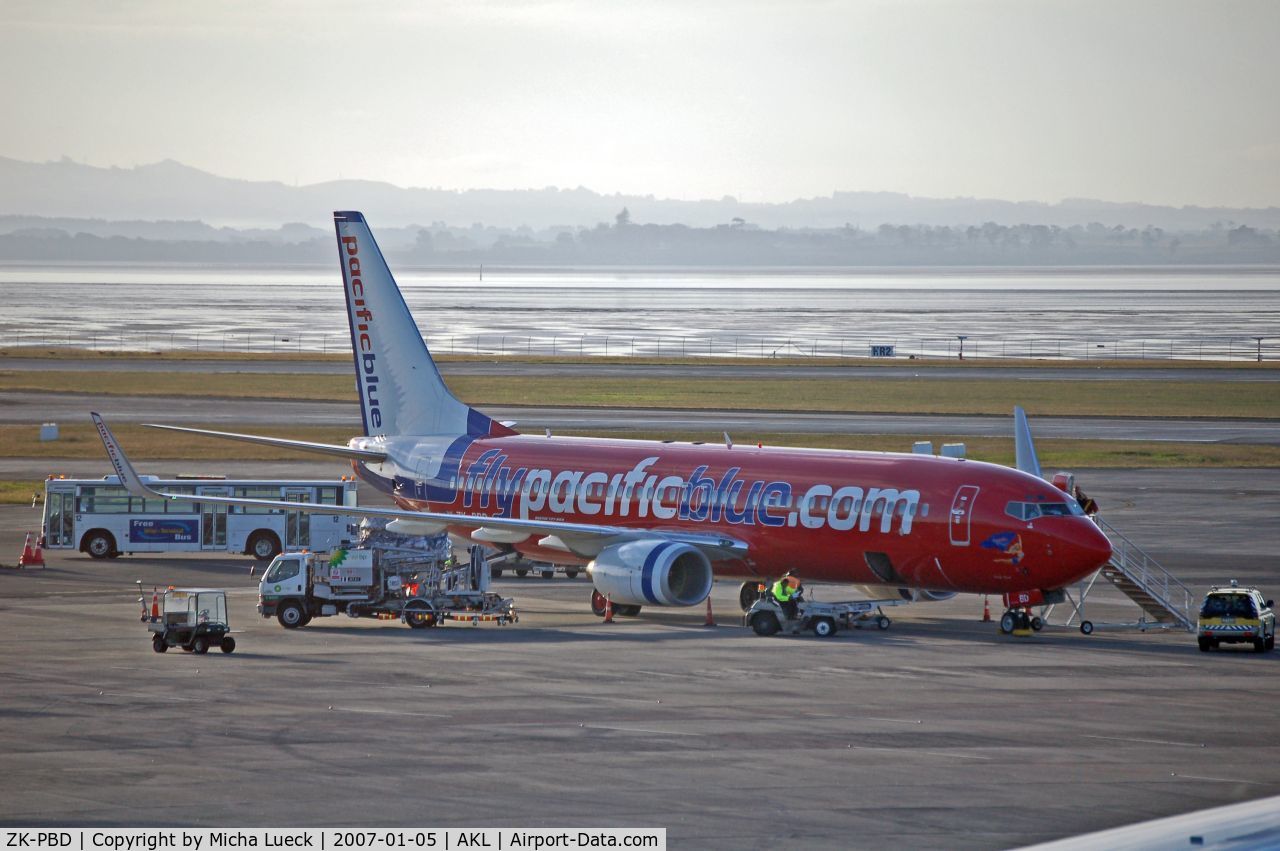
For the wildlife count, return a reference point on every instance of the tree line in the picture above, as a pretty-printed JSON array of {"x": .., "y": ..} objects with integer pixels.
[{"x": 737, "y": 243}]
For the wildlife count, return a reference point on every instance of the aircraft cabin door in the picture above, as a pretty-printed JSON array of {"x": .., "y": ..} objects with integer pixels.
[
  {"x": 297, "y": 524},
  {"x": 961, "y": 513}
]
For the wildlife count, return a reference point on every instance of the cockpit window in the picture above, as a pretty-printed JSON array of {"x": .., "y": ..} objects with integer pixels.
[{"x": 1032, "y": 510}]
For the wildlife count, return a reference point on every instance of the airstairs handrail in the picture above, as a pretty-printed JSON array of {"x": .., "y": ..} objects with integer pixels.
[{"x": 1145, "y": 572}]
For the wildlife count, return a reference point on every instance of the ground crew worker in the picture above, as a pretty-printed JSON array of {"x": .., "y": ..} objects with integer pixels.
[
  {"x": 1087, "y": 504},
  {"x": 785, "y": 591}
]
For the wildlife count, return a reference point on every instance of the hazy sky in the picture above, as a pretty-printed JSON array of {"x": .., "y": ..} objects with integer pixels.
[{"x": 1165, "y": 102}]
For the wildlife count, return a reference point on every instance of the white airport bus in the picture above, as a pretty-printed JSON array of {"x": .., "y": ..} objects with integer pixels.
[{"x": 101, "y": 518}]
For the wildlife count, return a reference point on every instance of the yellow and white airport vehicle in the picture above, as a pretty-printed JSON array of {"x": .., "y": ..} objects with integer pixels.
[{"x": 1235, "y": 615}]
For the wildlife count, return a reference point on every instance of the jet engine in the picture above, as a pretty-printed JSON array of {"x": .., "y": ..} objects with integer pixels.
[{"x": 652, "y": 572}]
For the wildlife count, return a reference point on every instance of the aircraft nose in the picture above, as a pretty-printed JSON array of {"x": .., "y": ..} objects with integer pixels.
[{"x": 1088, "y": 547}]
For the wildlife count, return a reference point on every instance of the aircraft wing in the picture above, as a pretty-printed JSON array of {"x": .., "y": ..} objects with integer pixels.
[
  {"x": 371, "y": 455},
  {"x": 583, "y": 539}
]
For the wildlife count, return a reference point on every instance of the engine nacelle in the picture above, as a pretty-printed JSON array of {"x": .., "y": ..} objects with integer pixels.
[
  {"x": 919, "y": 595},
  {"x": 652, "y": 572}
]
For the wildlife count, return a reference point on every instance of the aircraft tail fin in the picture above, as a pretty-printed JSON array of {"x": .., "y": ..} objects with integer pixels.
[
  {"x": 1024, "y": 446},
  {"x": 401, "y": 391}
]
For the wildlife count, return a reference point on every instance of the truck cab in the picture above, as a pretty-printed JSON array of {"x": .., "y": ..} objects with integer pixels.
[{"x": 285, "y": 589}]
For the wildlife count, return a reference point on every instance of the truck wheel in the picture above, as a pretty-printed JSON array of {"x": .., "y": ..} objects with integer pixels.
[
  {"x": 200, "y": 645},
  {"x": 765, "y": 623},
  {"x": 290, "y": 615},
  {"x": 99, "y": 543},
  {"x": 1086, "y": 627},
  {"x": 1037, "y": 623},
  {"x": 263, "y": 545},
  {"x": 522, "y": 571},
  {"x": 1205, "y": 645},
  {"x": 1259, "y": 645},
  {"x": 548, "y": 574},
  {"x": 495, "y": 572},
  {"x": 228, "y": 644},
  {"x": 627, "y": 611},
  {"x": 748, "y": 593},
  {"x": 824, "y": 627},
  {"x": 883, "y": 622},
  {"x": 571, "y": 574},
  {"x": 420, "y": 620},
  {"x": 158, "y": 644},
  {"x": 1007, "y": 622}
]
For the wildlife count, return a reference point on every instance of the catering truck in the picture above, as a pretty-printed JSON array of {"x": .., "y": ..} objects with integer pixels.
[{"x": 420, "y": 587}]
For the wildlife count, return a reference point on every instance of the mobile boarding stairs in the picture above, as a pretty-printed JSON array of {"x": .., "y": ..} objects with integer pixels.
[{"x": 1165, "y": 602}]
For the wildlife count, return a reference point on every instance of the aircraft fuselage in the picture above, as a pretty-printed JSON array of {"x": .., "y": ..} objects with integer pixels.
[{"x": 864, "y": 517}]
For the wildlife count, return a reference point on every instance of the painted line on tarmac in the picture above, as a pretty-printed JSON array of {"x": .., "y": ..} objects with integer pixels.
[
  {"x": 1219, "y": 779},
  {"x": 641, "y": 730},
  {"x": 152, "y": 696},
  {"x": 1146, "y": 741},
  {"x": 389, "y": 712}
]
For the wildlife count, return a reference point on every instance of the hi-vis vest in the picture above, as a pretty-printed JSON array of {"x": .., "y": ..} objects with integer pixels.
[{"x": 782, "y": 590}]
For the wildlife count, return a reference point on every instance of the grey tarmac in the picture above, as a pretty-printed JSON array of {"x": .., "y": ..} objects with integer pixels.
[{"x": 937, "y": 733}]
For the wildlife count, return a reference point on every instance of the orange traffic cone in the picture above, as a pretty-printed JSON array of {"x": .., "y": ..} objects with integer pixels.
[
  {"x": 986, "y": 609},
  {"x": 31, "y": 554},
  {"x": 38, "y": 561},
  {"x": 710, "y": 621},
  {"x": 608, "y": 609},
  {"x": 155, "y": 605}
]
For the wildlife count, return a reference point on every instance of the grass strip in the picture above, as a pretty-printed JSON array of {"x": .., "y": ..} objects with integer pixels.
[{"x": 907, "y": 396}]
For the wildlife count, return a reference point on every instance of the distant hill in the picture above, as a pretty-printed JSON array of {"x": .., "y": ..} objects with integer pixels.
[{"x": 183, "y": 196}]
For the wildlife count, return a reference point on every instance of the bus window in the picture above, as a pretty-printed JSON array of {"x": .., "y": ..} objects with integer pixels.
[
  {"x": 180, "y": 506},
  {"x": 272, "y": 493},
  {"x": 103, "y": 500}
]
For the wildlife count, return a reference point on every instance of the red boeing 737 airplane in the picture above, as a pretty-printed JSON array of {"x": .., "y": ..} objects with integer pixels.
[{"x": 656, "y": 521}]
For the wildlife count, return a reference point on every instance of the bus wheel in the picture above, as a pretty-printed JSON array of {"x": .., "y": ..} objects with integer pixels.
[
  {"x": 99, "y": 544},
  {"x": 263, "y": 546}
]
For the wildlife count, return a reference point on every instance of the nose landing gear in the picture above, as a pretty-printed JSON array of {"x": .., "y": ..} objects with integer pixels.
[{"x": 1020, "y": 622}]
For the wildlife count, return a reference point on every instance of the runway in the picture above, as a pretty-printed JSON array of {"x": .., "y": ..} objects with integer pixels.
[{"x": 27, "y": 407}]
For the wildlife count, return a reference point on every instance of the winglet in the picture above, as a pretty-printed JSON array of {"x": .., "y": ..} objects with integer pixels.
[
  {"x": 128, "y": 476},
  {"x": 1024, "y": 447}
]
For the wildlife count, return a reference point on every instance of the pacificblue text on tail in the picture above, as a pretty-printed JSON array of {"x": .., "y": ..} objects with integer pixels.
[{"x": 401, "y": 391}]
